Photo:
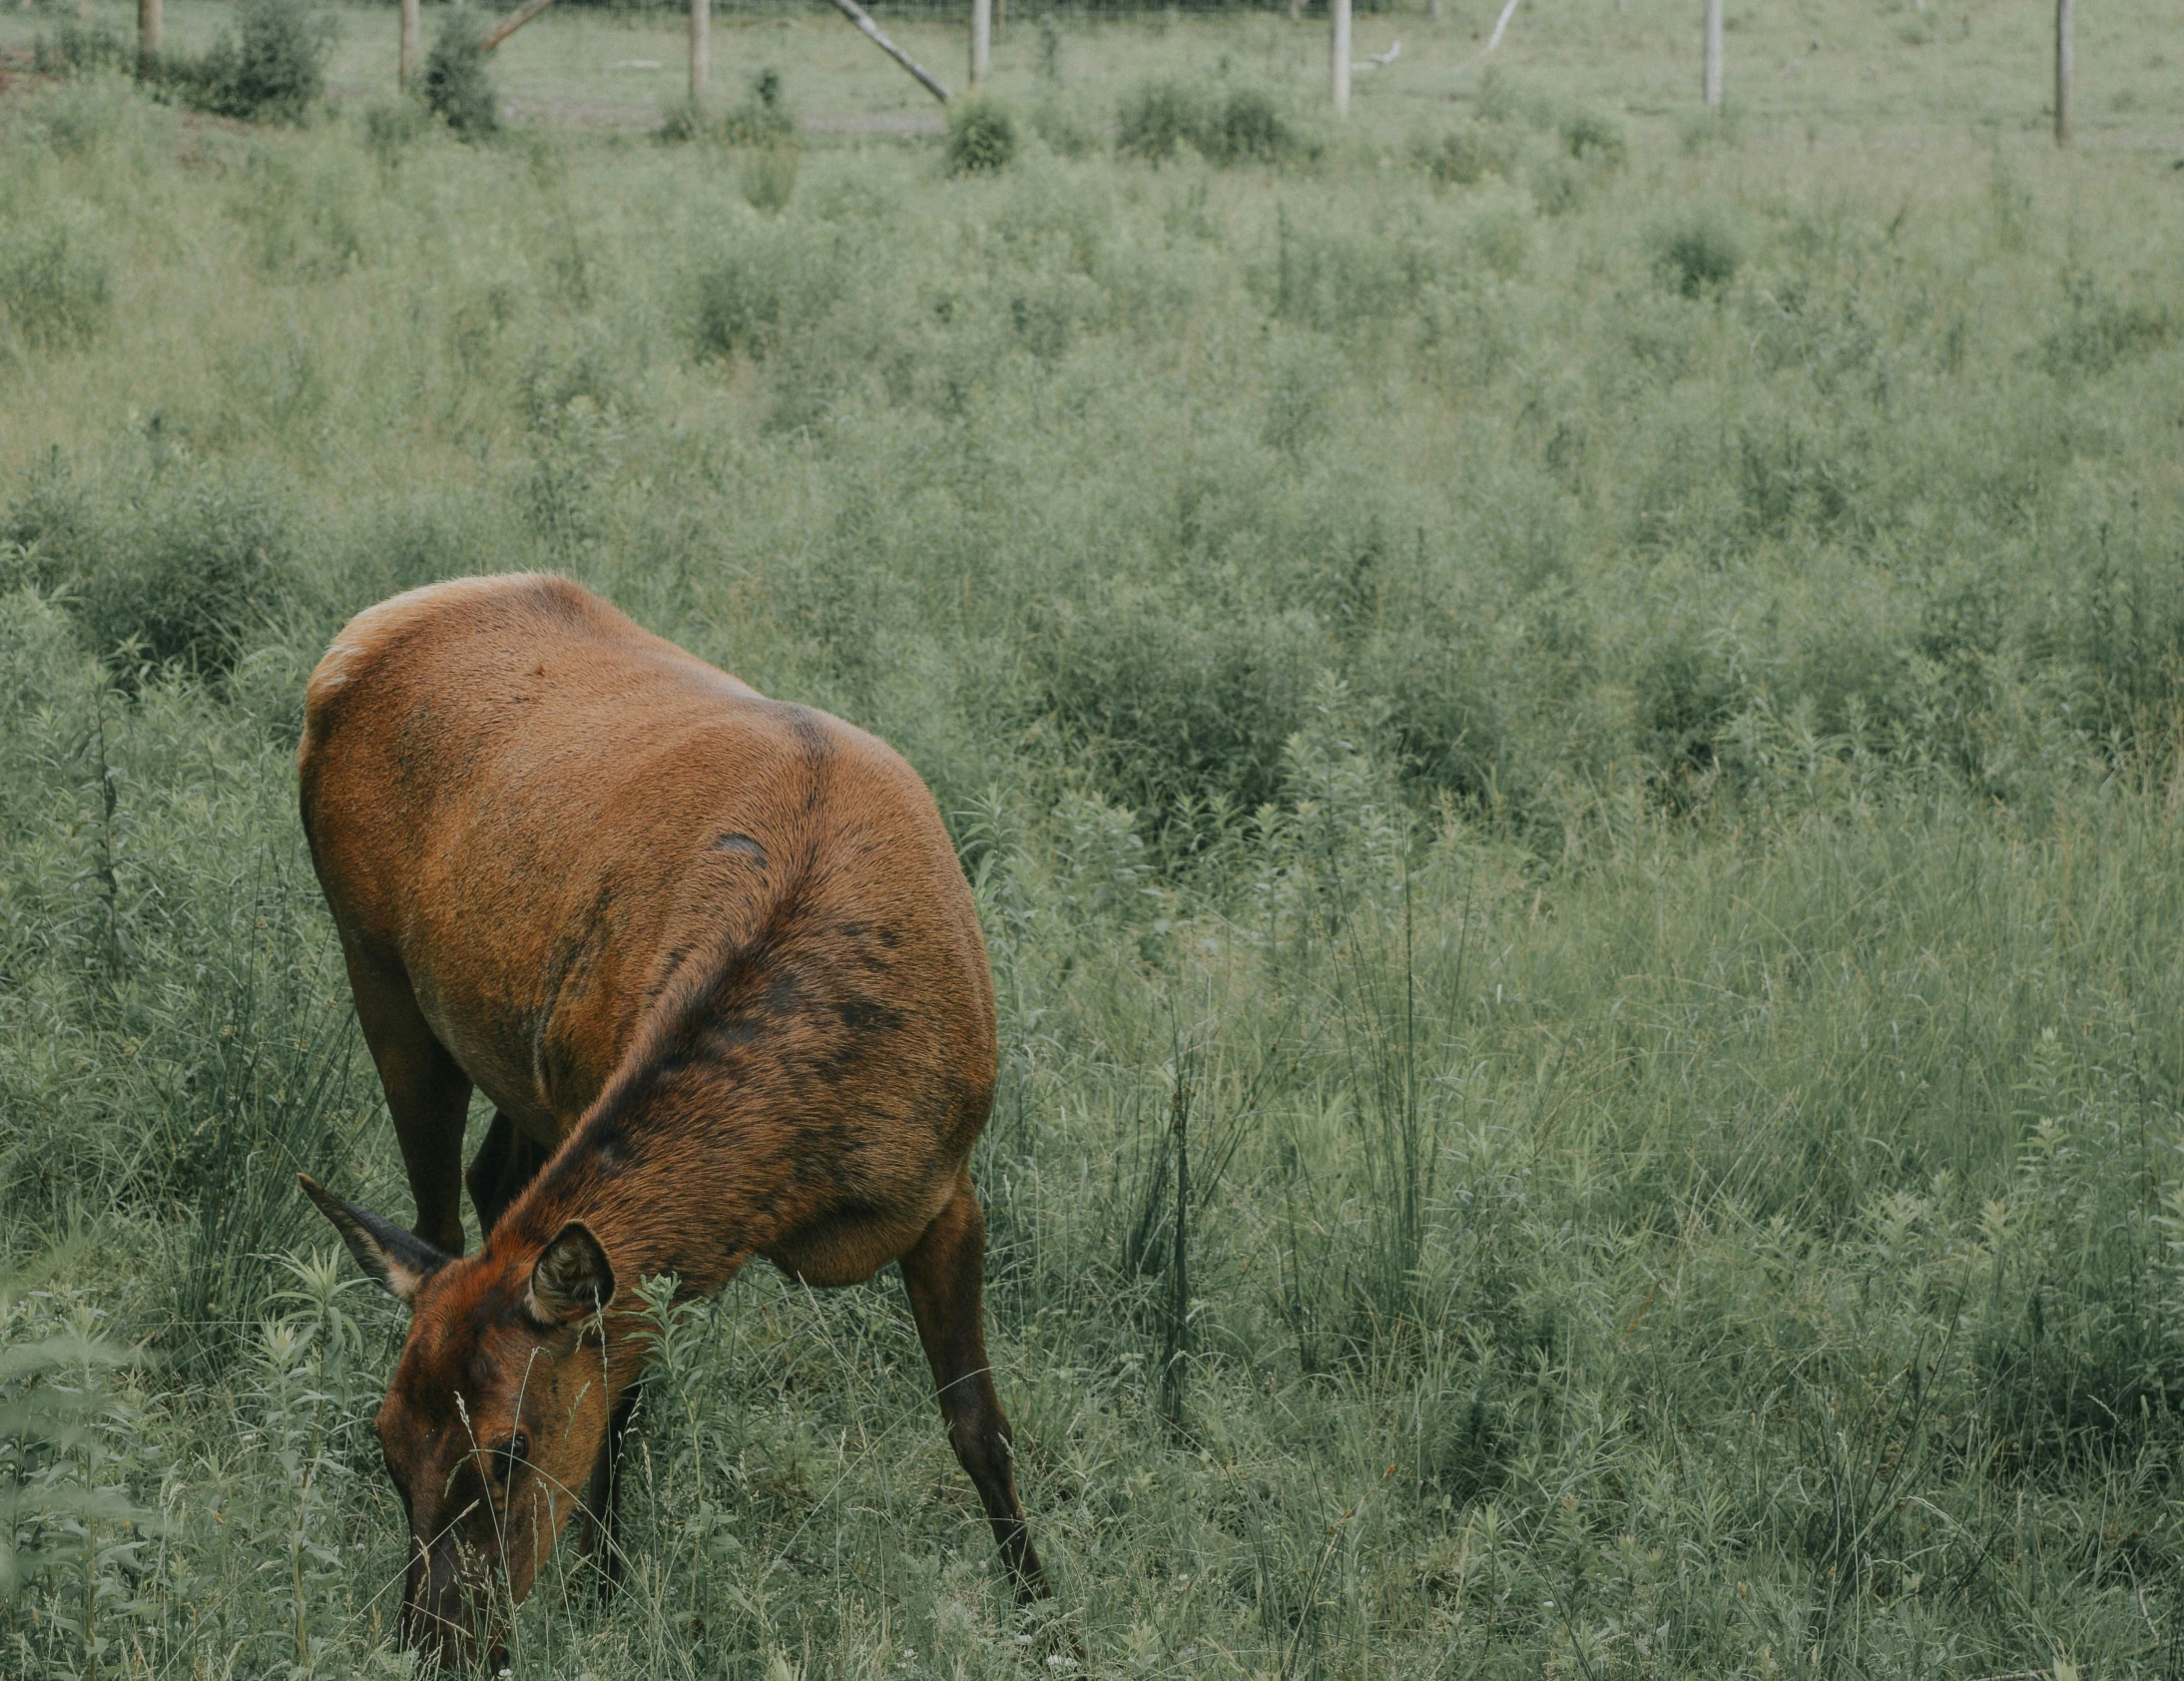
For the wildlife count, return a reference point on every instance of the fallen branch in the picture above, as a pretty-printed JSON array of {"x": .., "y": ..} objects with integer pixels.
[
  {"x": 864, "y": 20},
  {"x": 514, "y": 21}
]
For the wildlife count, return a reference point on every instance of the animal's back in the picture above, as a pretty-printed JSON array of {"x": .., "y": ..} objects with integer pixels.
[{"x": 557, "y": 825}]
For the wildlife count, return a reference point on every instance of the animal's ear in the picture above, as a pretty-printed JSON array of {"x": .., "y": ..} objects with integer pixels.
[
  {"x": 398, "y": 1261},
  {"x": 572, "y": 1280}
]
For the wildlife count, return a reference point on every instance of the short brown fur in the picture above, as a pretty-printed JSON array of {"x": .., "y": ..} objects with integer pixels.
[{"x": 714, "y": 961}]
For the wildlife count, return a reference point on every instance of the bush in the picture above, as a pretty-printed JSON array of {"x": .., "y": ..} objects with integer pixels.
[
  {"x": 1248, "y": 128},
  {"x": 763, "y": 118},
  {"x": 1587, "y": 135},
  {"x": 1172, "y": 702},
  {"x": 1060, "y": 126},
  {"x": 456, "y": 85},
  {"x": 981, "y": 137},
  {"x": 1461, "y": 157},
  {"x": 739, "y": 303},
  {"x": 55, "y": 278},
  {"x": 2099, "y": 330},
  {"x": 391, "y": 126},
  {"x": 768, "y": 177},
  {"x": 274, "y": 70},
  {"x": 1699, "y": 254},
  {"x": 1156, "y": 119},
  {"x": 172, "y": 572},
  {"x": 80, "y": 47}
]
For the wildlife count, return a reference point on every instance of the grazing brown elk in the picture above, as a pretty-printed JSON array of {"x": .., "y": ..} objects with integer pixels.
[{"x": 713, "y": 960}]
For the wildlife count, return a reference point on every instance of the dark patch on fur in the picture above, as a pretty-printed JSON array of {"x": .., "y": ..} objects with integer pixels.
[
  {"x": 866, "y": 1016},
  {"x": 744, "y": 846}
]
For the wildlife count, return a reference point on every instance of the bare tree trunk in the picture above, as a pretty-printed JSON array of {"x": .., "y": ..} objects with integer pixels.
[
  {"x": 1433, "y": 10},
  {"x": 1339, "y": 53},
  {"x": 1296, "y": 11},
  {"x": 1712, "y": 55},
  {"x": 701, "y": 51},
  {"x": 148, "y": 32},
  {"x": 2064, "y": 56},
  {"x": 981, "y": 42},
  {"x": 406, "y": 72}
]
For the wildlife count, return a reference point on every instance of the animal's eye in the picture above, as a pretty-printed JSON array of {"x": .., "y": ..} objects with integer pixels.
[{"x": 512, "y": 1454}]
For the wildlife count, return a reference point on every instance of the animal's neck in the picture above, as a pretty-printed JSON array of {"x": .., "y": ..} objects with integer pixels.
[{"x": 656, "y": 1177}]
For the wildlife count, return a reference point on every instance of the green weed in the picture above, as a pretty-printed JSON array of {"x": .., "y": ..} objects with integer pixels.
[{"x": 981, "y": 137}]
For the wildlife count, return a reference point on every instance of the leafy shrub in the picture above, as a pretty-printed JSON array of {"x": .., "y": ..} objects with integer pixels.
[
  {"x": 739, "y": 301},
  {"x": 1156, "y": 120},
  {"x": 1172, "y": 701},
  {"x": 169, "y": 569},
  {"x": 1588, "y": 134},
  {"x": 763, "y": 118},
  {"x": 457, "y": 85},
  {"x": 1559, "y": 186},
  {"x": 55, "y": 278},
  {"x": 1461, "y": 157},
  {"x": 391, "y": 126},
  {"x": 60, "y": 1427},
  {"x": 80, "y": 47},
  {"x": 981, "y": 137},
  {"x": 1058, "y": 124},
  {"x": 1688, "y": 693},
  {"x": 2098, "y": 330},
  {"x": 768, "y": 177},
  {"x": 1441, "y": 718},
  {"x": 1247, "y": 127},
  {"x": 1699, "y": 254},
  {"x": 272, "y": 70}
]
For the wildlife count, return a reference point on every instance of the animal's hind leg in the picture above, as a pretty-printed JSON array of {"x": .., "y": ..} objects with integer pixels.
[
  {"x": 945, "y": 1275},
  {"x": 504, "y": 1164},
  {"x": 426, "y": 1092}
]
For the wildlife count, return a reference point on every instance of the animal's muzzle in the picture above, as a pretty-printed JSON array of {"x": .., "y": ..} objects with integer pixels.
[{"x": 447, "y": 1611}]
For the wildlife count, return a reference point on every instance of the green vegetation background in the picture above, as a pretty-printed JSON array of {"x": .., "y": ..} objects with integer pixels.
[{"x": 1575, "y": 712}]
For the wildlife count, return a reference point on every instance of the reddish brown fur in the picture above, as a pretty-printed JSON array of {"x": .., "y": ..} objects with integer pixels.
[{"x": 712, "y": 952}]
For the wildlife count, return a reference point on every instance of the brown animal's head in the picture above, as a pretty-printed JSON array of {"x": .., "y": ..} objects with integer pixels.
[{"x": 494, "y": 1420}]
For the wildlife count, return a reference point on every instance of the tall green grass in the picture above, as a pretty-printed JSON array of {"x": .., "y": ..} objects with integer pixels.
[{"x": 1569, "y": 753}]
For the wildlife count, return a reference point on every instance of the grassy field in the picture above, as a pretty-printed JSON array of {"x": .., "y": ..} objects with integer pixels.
[{"x": 1566, "y": 721}]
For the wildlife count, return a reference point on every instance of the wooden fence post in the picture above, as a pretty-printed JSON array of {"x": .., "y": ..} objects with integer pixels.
[
  {"x": 147, "y": 33},
  {"x": 1339, "y": 53},
  {"x": 1712, "y": 55},
  {"x": 981, "y": 42},
  {"x": 1433, "y": 11},
  {"x": 405, "y": 70},
  {"x": 2064, "y": 56},
  {"x": 701, "y": 51}
]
